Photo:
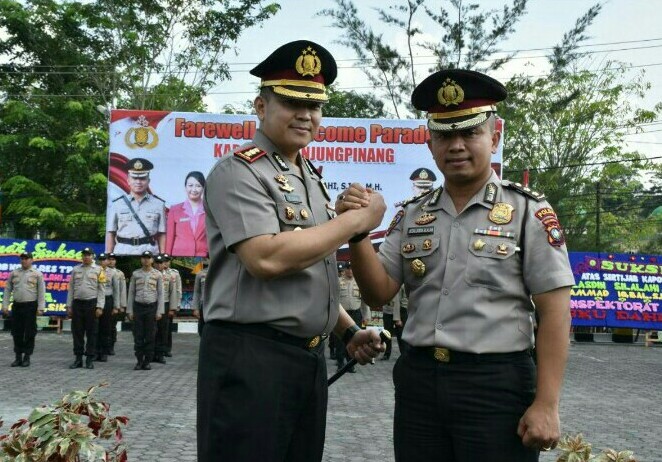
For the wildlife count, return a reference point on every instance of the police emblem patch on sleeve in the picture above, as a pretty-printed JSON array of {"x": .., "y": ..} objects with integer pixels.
[
  {"x": 552, "y": 226},
  {"x": 394, "y": 222}
]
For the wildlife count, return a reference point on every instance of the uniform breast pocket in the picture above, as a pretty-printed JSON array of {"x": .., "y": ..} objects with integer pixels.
[
  {"x": 491, "y": 262},
  {"x": 292, "y": 216},
  {"x": 153, "y": 217},
  {"x": 32, "y": 281},
  {"x": 125, "y": 218},
  {"x": 419, "y": 256}
]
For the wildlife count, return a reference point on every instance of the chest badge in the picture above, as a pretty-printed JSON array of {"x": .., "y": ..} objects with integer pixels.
[
  {"x": 289, "y": 213},
  {"x": 425, "y": 219},
  {"x": 417, "y": 267},
  {"x": 501, "y": 213},
  {"x": 479, "y": 244},
  {"x": 502, "y": 249},
  {"x": 427, "y": 244},
  {"x": 408, "y": 248},
  {"x": 304, "y": 214},
  {"x": 283, "y": 183}
]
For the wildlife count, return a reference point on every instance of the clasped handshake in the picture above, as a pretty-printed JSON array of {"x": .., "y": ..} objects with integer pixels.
[{"x": 366, "y": 204}]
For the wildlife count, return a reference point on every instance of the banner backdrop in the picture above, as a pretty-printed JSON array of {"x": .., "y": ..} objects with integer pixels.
[
  {"x": 55, "y": 259},
  {"x": 617, "y": 290},
  {"x": 381, "y": 153}
]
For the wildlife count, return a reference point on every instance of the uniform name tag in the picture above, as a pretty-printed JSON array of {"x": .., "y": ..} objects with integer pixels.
[
  {"x": 184, "y": 219},
  {"x": 420, "y": 230},
  {"x": 293, "y": 198}
]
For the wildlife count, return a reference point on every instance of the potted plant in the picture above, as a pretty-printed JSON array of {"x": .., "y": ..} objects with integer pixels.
[{"x": 67, "y": 431}]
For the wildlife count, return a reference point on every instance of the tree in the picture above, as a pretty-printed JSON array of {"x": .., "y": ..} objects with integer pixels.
[
  {"x": 61, "y": 60},
  {"x": 467, "y": 41},
  {"x": 353, "y": 105}
]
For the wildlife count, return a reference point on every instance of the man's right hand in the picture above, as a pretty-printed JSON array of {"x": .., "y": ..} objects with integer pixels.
[
  {"x": 5, "y": 312},
  {"x": 130, "y": 316},
  {"x": 70, "y": 312},
  {"x": 373, "y": 213},
  {"x": 196, "y": 314}
]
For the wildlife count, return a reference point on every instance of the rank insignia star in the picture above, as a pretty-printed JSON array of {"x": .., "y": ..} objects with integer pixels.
[{"x": 479, "y": 244}]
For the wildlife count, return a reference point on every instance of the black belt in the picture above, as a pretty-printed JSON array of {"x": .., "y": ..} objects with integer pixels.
[
  {"x": 444, "y": 355},
  {"x": 136, "y": 240},
  {"x": 268, "y": 332}
]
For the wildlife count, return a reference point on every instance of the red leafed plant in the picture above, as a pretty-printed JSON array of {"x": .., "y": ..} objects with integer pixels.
[{"x": 67, "y": 431}]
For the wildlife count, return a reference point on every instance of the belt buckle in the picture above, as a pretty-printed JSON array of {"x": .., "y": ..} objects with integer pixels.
[
  {"x": 134, "y": 241},
  {"x": 442, "y": 355},
  {"x": 313, "y": 342}
]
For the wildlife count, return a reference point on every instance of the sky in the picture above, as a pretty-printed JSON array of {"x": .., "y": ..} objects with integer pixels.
[{"x": 625, "y": 30}]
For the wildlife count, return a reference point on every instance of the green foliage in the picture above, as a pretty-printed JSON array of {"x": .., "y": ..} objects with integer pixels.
[
  {"x": 65, "y": 432},
  {"x": 353, "y": 105},
  {"x": 469, "y": 35},
  {"x": 569, "y": 132},
  {"x": 59, "y": 61}
]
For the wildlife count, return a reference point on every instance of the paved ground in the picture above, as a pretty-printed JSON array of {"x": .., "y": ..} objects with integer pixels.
[{"x": 612, "y": 395}]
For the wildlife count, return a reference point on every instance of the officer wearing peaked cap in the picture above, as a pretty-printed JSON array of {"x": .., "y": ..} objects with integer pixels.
[
  {"x": 137, "y": 220},
  {"x": 85, "y": 302},
  {"x": 119, "y": 315},
  {"x": 467, "y": 385},
  {"x": 111, "y": 288},
  {"x": 423, "y": 180},
  {"x": 272, "y": 239},
  {"x": 25, "y": 286},
  {"x": 145, "y": 308}
]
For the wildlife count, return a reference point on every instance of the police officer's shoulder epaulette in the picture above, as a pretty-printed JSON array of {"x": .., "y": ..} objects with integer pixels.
[
  {"x": 520, "y": 188},
  {"x": 117, "y": 198},
  {"x": 250, "y": 153},
  {"x": 411, "y": 200}
]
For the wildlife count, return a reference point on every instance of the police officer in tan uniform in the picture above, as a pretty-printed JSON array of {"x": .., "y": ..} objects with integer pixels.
[
  {"x": 26, "y": 286},
  {"x": 198, "y": 301},
  {"x": 272, "y": 288},
  {"x": 145, "y": 308},
  {"x": 351, "y": 301},
  {"x": 391, "y": 321},
  {"x": 475, "y": 258},
  {"x": 111, "y": 306},
  {"x": 85, "y": 302},
  {"x": 121, "y": 312},
  {"x": 137, "y": 221},
  {"x": 170, "y": 300},
  {"x": 175, "y": 306}
]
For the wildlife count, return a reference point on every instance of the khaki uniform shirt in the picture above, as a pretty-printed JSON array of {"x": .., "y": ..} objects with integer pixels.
[
  {"x": 475, "y": 293},
  {"x": 393, "y": 307},
  {"x": 199, "y": 289},
  {"x": 150, "y": 210},
  {"x": 404, "y": 299},
  {"x": 87, "y": 282},
  {"x": 111, "y": 286},
  {"x": 177, "y": 300},
  {"x": 122, "y": 284},
  {"x": 26, "y": 286},
  {"x": 169, "y": 289},
  {"x": 244, "y": 200},
  {"x": 146, "y": 287},
  {"x": 350, "y": 298}
]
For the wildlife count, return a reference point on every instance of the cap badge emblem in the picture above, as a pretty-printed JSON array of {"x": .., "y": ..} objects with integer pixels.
[
  {"x": 450, "y": 93},
  {"x": 308, "y": 63}
]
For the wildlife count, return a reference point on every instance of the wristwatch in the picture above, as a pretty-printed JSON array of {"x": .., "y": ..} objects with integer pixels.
[
  {"x": 349, "y": 333},
  {"x": 358, "y": 238}
]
